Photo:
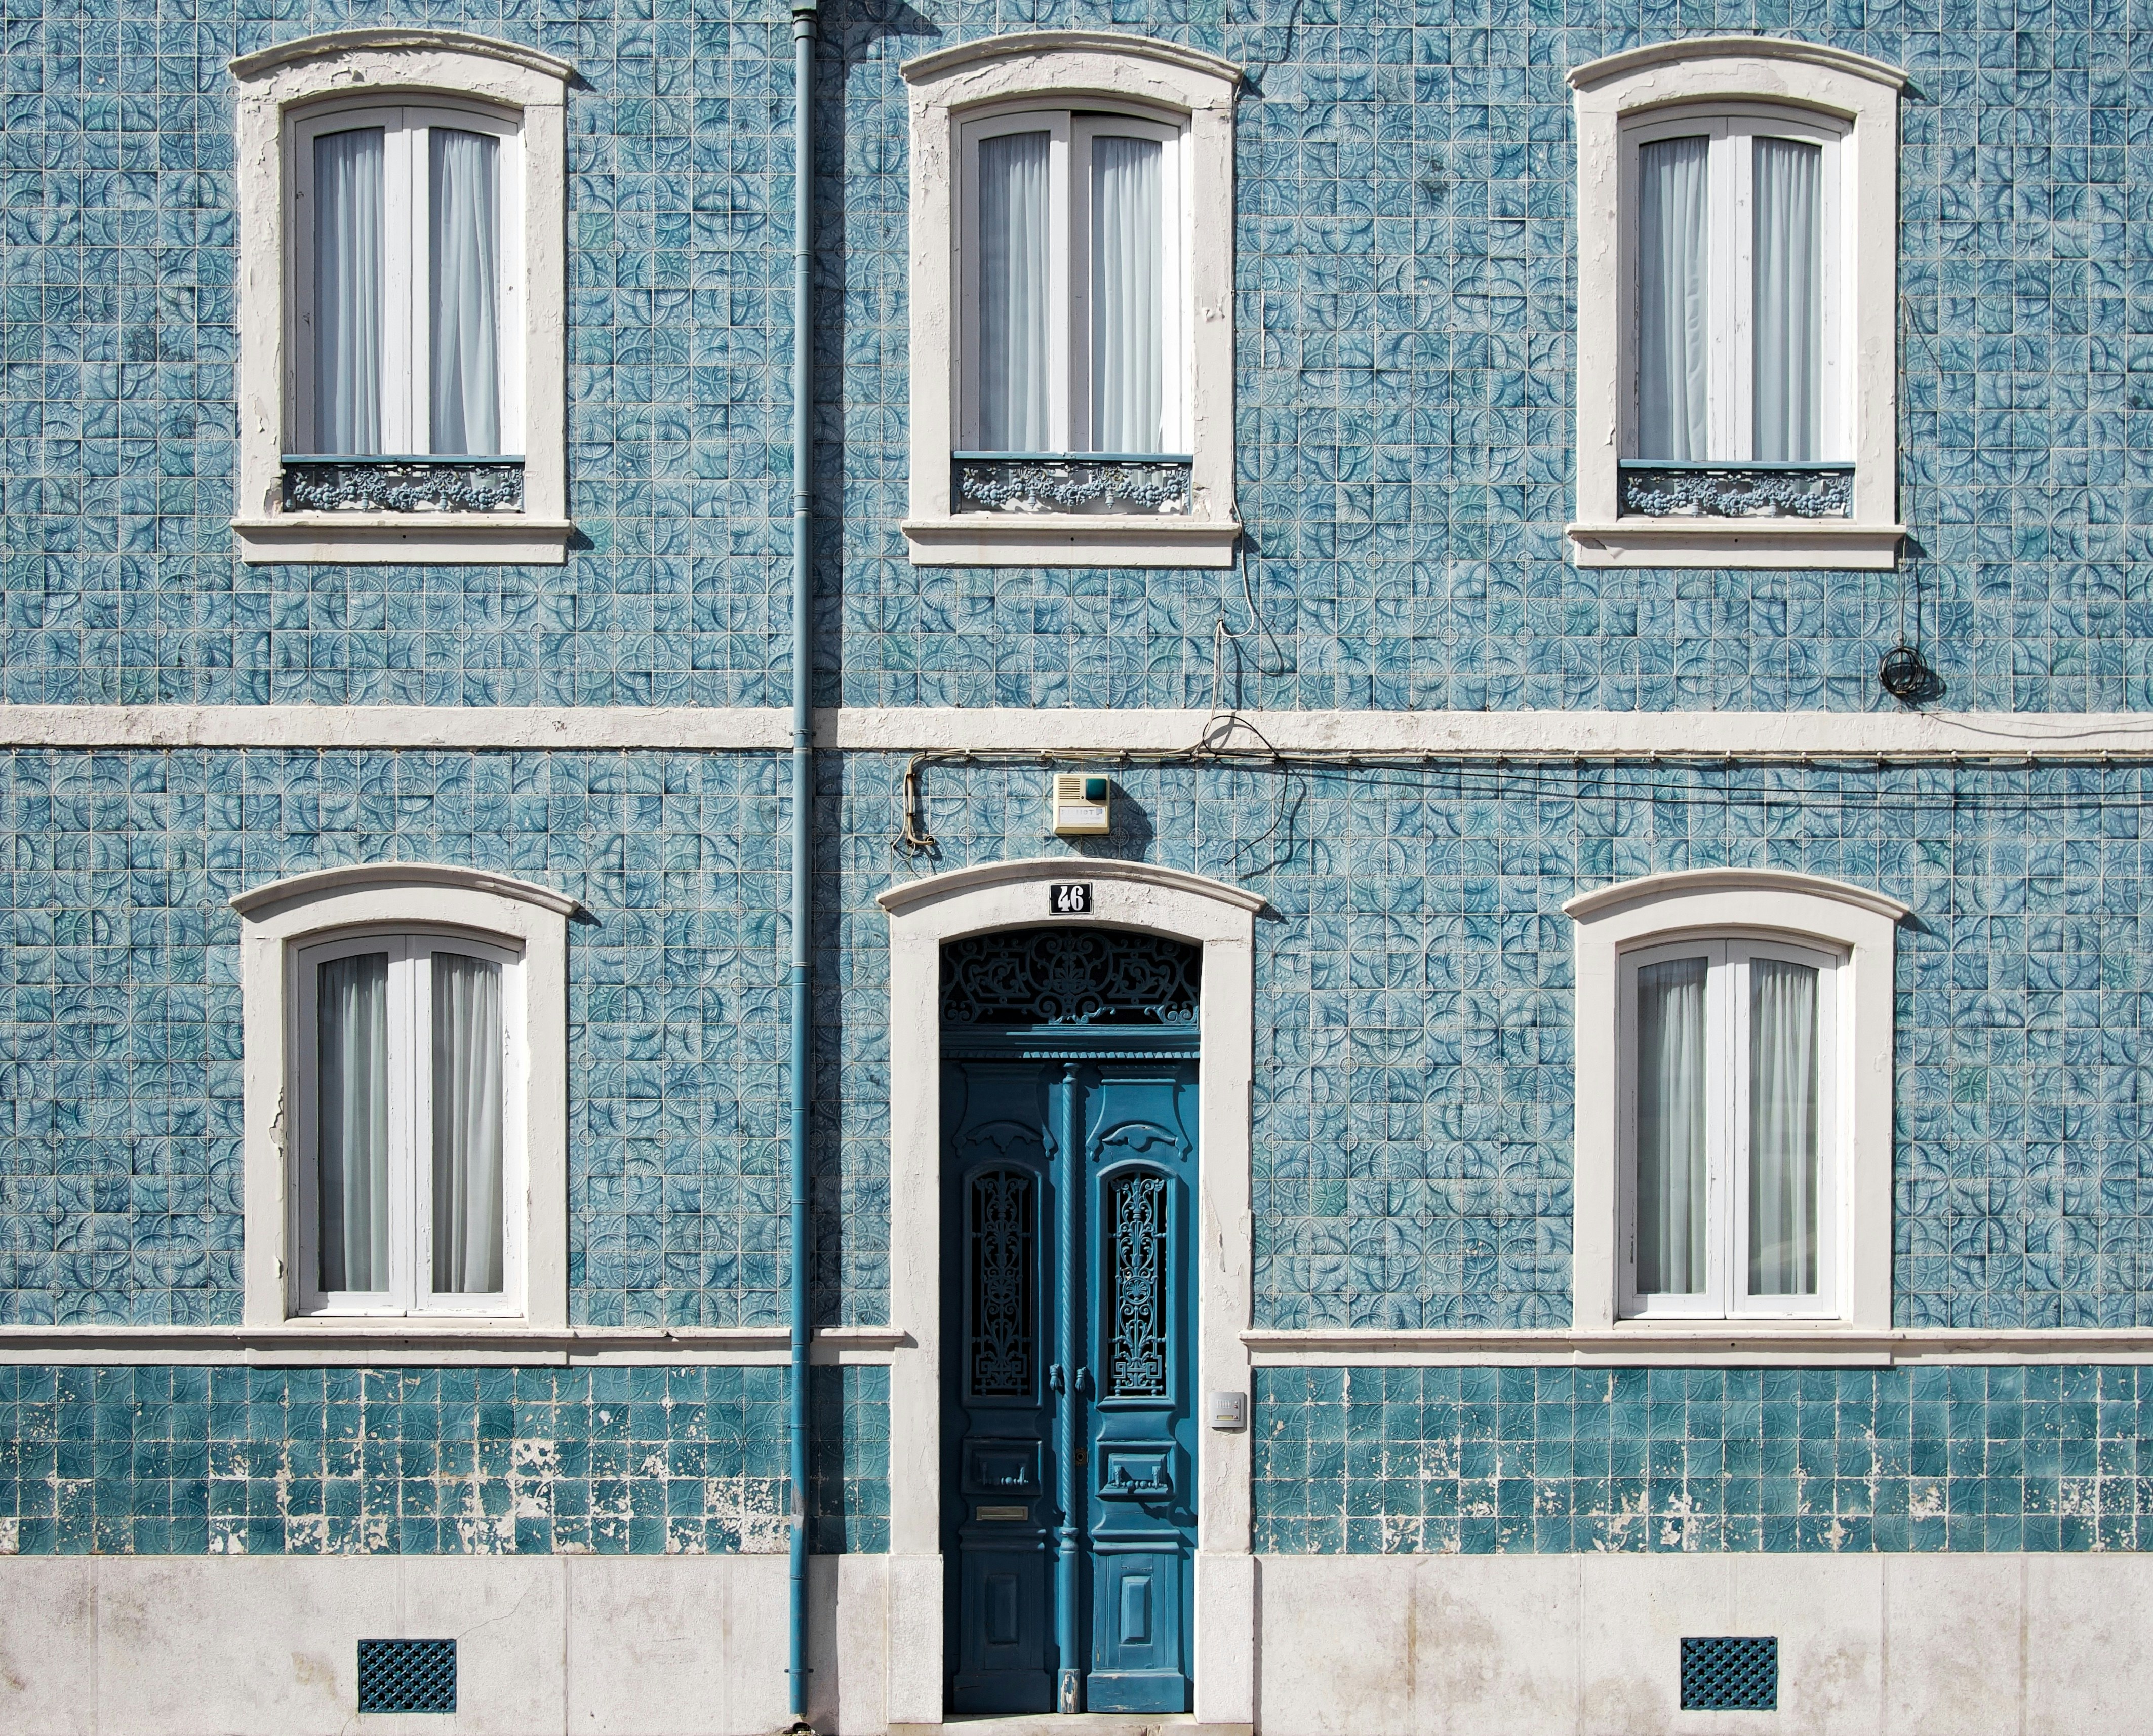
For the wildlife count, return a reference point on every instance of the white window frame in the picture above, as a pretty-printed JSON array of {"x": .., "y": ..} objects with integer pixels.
[
  {"x": 411, "y": 1109},
  {"x": 285, "y": 93},
  {"x": 1774, "y": 912},
  {"x": 1069, "y": 192},
  {"x": 1735, "y": 84},
  {"x": 1730, "y": 173},
  {"x": 406, "y": 188},
  {"x": 1189, "y": 96},
  {"x": 1726, "y": 1294},
  {"x": 291, "y": 925}
]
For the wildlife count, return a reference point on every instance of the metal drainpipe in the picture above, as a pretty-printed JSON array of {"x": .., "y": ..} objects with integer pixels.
[{"x": 803, "y": 796}]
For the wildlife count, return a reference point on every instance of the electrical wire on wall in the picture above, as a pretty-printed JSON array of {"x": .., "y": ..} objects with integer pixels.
[
  {"x": 2002, "y": 782},
  {"x": 1904, "y": 673}
]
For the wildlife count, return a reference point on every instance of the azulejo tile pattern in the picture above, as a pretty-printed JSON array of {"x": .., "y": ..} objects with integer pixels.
[
  {"x": 1413, "y": 1106},
  {"x": 1413, "y": 1083},
  {"x": 1404, "y": 313},
  {"x": 1478, "y": 1461},
  {"x": 198, "y": 1460}
]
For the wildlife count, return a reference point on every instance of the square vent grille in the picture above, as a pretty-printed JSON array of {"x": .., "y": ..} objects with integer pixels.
[
  {"x": 1730, "y": 1674},
  {"x": 407, "y": 1675}
]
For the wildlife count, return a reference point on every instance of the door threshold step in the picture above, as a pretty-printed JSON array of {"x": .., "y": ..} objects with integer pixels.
[{"x": 1073, "y": 1723}]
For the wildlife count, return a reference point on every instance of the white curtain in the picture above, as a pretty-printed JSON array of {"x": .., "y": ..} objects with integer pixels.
[
  {"x": 1128, "y": 295},
  {"x": 347, "y": 291},
  {"x": 466, "y": 251},
  {"x": 352, "y": 1126},
  {"x": 1673, "y": 299},
  {"x": 1671, "y": 1127},
  {"x": 1782, "y": 1130},
  {"x": 1013, "y": 293},
  {"x": 467, "y": 1102},
  {"x": 1790, "y": 315}
]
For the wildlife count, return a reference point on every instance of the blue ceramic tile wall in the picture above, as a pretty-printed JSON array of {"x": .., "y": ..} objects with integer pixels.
[
  {"x": 1413, "y": 1036},
  {"x": 493, "y": 1461},
  {"x": 1404, "y": 312},
  {"x": 1413, "y": 1107},
  {"x": 1378, "y": 1461}
]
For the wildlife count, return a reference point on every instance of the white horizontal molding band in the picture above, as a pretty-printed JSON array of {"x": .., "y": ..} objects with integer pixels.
[
  {"x": 404, "y": 1343},
  {"x": 1701, "y": 1345},
  {"x": 390, "y": 727},
  {"x": 1556, "y": 735}
]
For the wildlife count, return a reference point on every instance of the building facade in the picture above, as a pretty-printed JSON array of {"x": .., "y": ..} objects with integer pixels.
[{"x": 1478, "y": 939}]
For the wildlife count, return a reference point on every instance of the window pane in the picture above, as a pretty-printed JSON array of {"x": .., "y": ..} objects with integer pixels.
[
  {"x": 1671, "y": 1155},
  {"x": 1783, "y": 1131},
  {"x": 352, "y": 1136},
  {"x": 1013, "y": 293},
  {"x": 467, "y": 1100},
  {"x": 1789, "y": 312},
  {"x": 1673, "y": 299},
  {"x": 465, "y": 251},
  {"x": 347, "y": 291},
  {"x": 1128, "y": 295}
]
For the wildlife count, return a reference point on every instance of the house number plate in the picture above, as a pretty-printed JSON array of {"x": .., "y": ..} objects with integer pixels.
[{"x": 1069, "y": 898}]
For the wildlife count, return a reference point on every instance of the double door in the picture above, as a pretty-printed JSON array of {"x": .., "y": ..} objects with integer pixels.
[{"x": 1069, "y": 1449}]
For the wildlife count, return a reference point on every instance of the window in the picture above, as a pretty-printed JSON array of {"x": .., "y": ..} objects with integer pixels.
[
  {"x": 405, "y": 1080},
  {"x": 408, "y": 226},
  {"x": 1731, "y": 1142},
  {"x": 401, "y": 346},
  {"x": 1739, "y": 352},
  {"x": 1737, "y": 397},
  {"x": 1072, "y": 299},
  {"x": 1733, "y": 1103},
  {"x": 410, "y": 1141},
  {"x": 1074, "y": 327}
]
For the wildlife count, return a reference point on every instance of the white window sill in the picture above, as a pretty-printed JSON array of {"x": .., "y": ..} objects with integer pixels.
[
  {"x": 1779, "y": 542},
  {"x": 404, "y": 538},
  {"x": 1070, "y": 539}
]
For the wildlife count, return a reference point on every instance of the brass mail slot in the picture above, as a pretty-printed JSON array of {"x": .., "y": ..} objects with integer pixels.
[{"x": 994, "y": 1512}]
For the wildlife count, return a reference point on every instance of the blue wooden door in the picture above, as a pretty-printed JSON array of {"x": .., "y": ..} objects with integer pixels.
[
  {"x": 1139, "y": 1152},
  {"x": 1069, "y": 1450}
]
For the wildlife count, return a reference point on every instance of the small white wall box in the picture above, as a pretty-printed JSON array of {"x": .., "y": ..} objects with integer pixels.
[
  {"x": 1227, "y": 1410},
  {"x": 1083, "y": 804}
]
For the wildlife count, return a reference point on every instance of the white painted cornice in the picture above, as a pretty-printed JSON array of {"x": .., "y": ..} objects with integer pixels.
[
  {"x": 1700, "y": 1345},
  {"x": 956, "y": 881},
  {"x": 434, "y": 1344},
  {"x": 1596, "y": 72},
  {"x": 923, "y": 67},
  {"x": 1074, "y": 733},
  {"x": 263, "y": 61},
  {"x": 258, "y": 901},
  {"x": 1658, "y": 888}
]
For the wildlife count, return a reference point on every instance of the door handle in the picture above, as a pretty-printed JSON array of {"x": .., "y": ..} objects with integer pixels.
[
  {"x": 1055, "y": 1383},
  {"x": 1123, "y": 1487}
]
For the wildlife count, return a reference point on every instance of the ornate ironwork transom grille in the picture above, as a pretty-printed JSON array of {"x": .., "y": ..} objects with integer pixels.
[
  {"x": 1136, "y": 1356},
  {"x": 407, "y": 1675},
  {"x": 1070, "y": 976},
  {"x": 1004, "y": 1279},
  {"x": 1730, "y": 1674}
]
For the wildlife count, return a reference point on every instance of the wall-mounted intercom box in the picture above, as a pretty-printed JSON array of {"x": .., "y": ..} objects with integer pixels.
[{"x": 1083, "y": 804}]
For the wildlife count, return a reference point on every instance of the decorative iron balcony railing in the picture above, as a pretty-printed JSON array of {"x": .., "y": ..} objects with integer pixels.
[
  {"x": 401, "y": 482},
  {"x": 1155, "y": 482},
  {"x": 1661, "y": 489}
]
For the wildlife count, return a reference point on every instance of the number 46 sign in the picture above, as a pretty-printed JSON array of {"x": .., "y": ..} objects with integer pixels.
[{"x": 1069, "y": 898}]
